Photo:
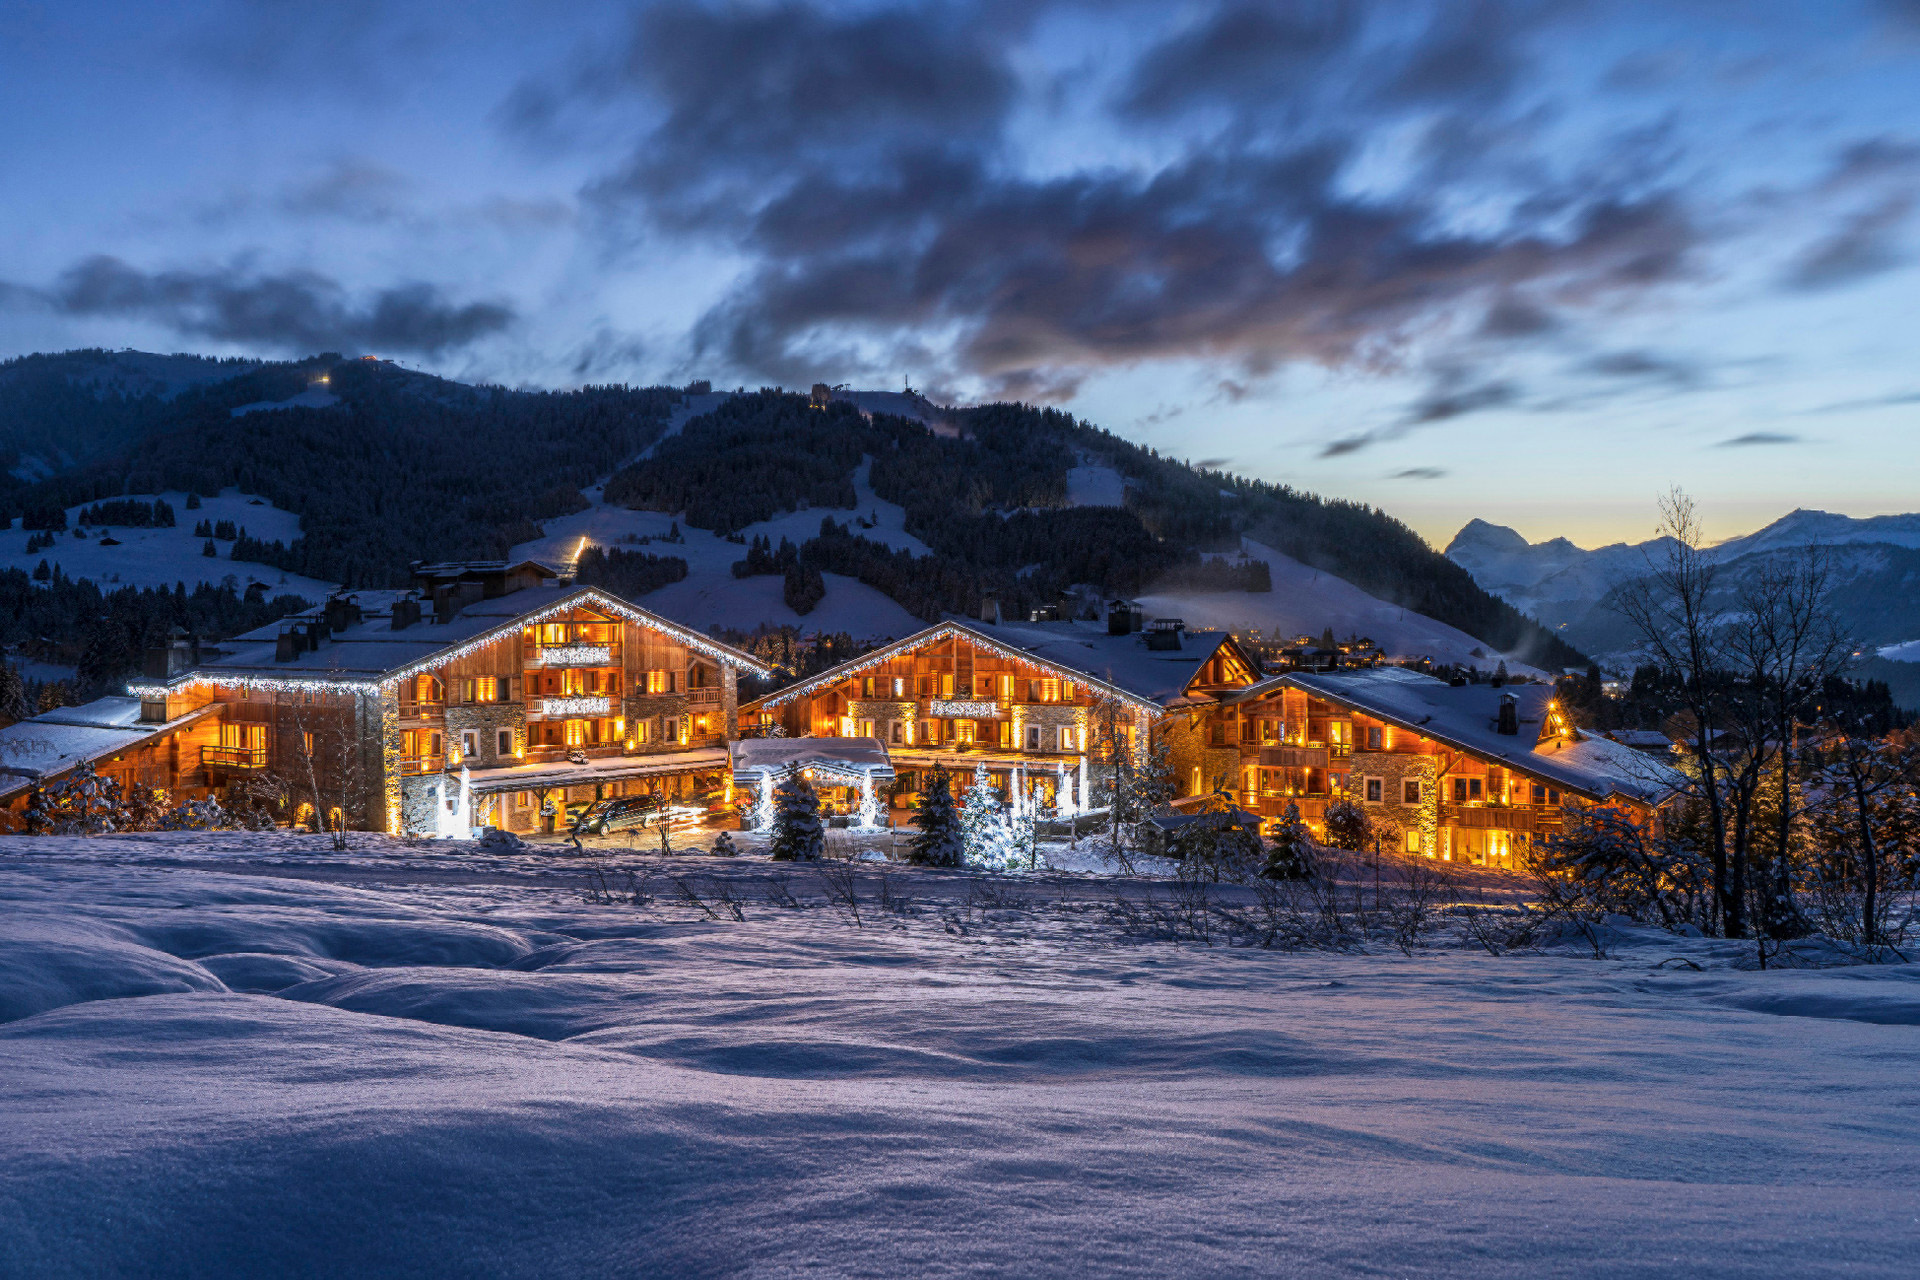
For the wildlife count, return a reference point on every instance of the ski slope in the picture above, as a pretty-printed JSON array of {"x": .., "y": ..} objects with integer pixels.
[{"x": 162, "y": 557}]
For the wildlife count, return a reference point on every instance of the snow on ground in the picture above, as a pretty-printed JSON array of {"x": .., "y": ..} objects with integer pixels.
[
  {"x": 1095, "y": 486},
  {"x": 1306, "y": 601},
  {"x": 162, "y": 557},
  {"x": 319, "y": 1067},
  {"x": 711, "y": 596}
]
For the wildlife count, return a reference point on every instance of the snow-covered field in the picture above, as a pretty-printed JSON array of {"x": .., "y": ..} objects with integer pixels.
[
  {"x": 162, "y": 557},
  {"x": 239, "y": 1054}
]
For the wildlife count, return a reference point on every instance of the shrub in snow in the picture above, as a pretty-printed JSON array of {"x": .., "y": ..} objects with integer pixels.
[
  {"x": 80, "y": 803},
  {"x": 1220, "y": 845},
  {"x": 797, "y": 834},
  {"x": 939, "y": 842},
  {"x": 494, "y": 840},
  {"x": 1290, "y": 856},
  {"x": 1603, "y": 862},
  {"x": 1348, "y": 826},
  {"x": 197, "y": 815},
  {"x": 724, "y": 847}
]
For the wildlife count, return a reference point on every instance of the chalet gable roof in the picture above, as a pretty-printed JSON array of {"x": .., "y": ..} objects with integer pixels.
[
  {"x": 1121, "y": 667},
  {"x": 370, "y": 654},
  {"x": 1465, "y": 718}
]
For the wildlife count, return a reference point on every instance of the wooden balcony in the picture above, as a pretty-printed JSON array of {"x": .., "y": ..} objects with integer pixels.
[
  {"x": 1293, "y": 757},
  {"x": 234, "y": 757},
  {"x": 1521, "y": 818}
]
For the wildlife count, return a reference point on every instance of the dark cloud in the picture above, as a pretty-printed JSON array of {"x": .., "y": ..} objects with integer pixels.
[
  {"x": 1642, "y": 365},
  {"x": 1865, "y": 245},
  {"x": 1517, "y": 318},
  {"x": 863, "y": 165},
  {"x": 1420, "y": 473},
  {"x": 1241, "y": 52},
  {"x": 1752, "y": 438},
  {"x": 1455, "y": 393},
  {"x": 1872, "y": 159},
  {"x": 296, "y": 311}
]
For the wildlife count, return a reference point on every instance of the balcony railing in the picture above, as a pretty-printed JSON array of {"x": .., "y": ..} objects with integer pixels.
[
  {"x": 1499, "y": 817},
  {"x": 235, "y": 757},
  {"x": 1293, "y": 757}
]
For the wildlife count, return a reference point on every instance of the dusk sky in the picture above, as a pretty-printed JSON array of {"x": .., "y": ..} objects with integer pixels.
[{"x": 1532, "y": 262}]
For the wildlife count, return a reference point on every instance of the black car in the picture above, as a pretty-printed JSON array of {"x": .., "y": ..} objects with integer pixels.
[{"x": 620, "y": 813}]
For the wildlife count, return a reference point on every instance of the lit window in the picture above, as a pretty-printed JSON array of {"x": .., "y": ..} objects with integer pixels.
[
  {"x": 576, "y": 733},
  {"x": 1006, "y": 688},
  {"x": 659, "y": 682},
  {"x": 469, "y": 744},
  {"x": 1049, "y": 690},
  {"x": 865, "y": 728},
  {"x": 946, "y": 686},
  {"x": 1066, "y": 737},
  {"x": 899, "y": 686}
]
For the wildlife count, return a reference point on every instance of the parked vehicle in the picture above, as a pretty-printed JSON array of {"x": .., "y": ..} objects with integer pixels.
[{"x": 618, "y": 813}]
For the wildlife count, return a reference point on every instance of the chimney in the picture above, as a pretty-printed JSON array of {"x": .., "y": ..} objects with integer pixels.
[
  {"x": 990, "y": 608},
  {"x": 287, "y": 647},
  {"x": 1509, "y": 715},
  {"x": 444, "y": 605},
  {"x": 406, "y": 612},
  {"x": 340, "y": 613},
  {"x": 1119, "y": 618}
]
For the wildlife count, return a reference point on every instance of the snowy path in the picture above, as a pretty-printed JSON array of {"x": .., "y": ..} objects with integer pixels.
[{"x": 502, "y": 1078}]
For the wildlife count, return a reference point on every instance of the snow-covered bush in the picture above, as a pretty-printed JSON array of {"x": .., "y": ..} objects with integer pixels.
[
  {"x": 939, "y": 842},
  {"x": 1605, "y": 863},
  {"x": 797, "y": 834},
  {"x": 724, "y": 847},
  {"x": 197, "y": 815},
  {"x": 1220, "y": 845},
  {"x": 79, "y": 803},
  {"x": 495, "y": 840}
]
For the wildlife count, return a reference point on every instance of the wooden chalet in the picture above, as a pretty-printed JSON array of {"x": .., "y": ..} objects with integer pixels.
[
  {"x": 489, "y": 693},
  {"x": 1041, "y": 705}
]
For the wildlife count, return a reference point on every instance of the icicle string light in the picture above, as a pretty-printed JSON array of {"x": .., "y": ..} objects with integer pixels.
[
  {"x": 943, "y": 631},
  {"x": 725, "y": 654}
]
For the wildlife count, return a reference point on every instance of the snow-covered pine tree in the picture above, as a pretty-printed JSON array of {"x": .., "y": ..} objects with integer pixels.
[
  {"x": 986, "y": 839},
  {"x": 14, "y": 702},
  {"x": 1290, "y": 856},
  {"x": 798, "y": 835},
  {"x": 939, "y": 842},
  {"x": 80, "y": 803}
]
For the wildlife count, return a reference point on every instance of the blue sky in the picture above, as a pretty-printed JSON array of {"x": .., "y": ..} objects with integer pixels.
[{"x": 1533, "y": 262}]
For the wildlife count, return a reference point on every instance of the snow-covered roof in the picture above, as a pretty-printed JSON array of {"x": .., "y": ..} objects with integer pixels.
[
  {"x": 1118, "y": 665},
  {"x": 55, "y": 741},
  {"x": 567, "y": 773},
  {"x": 866, "y": 757},
  {"x": 1466, "y": 717},
  {"x": 371, "y": 652}
]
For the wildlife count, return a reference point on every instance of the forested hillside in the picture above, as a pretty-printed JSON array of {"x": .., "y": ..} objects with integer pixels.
[
  {"x": 384, "y": 466},
  {"x": 403, "y": 467},
  {"x": 991, "y": 503}
]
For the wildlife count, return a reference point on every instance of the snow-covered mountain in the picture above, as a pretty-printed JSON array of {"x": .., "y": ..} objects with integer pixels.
[
  {"x": 1875, "y": 566},
  {"x": 1558, "y": 582}
]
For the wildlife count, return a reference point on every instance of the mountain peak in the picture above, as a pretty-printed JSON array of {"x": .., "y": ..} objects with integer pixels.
[{"x": 1482, "y": 535}]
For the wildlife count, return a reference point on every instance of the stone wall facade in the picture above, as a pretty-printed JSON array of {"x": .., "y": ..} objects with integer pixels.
[
  {"x": 485, "y": 720},
  {"x": 1392, "y": 815}
]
